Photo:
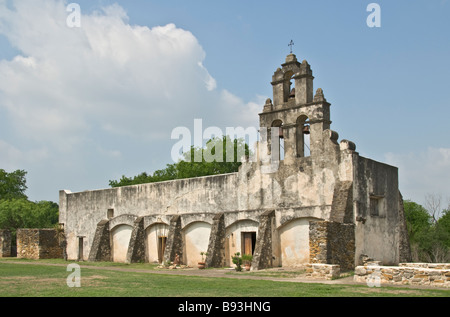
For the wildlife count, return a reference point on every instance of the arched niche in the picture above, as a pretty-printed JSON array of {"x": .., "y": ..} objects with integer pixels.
[
  {"x": 196, "y": 239},
  {"x": 294, "y": 242},
  {"x": 120, "y": 238}
]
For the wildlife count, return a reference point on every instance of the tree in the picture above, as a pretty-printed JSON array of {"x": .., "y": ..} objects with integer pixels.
[
  {"x": 429, "y": 234},
  {"x": 417, "y": 219},
  {"x": 12, "y": 185},
  {"x": 211, "y": 160},
  {"x": 22, "y": 213},
  {"x": 16, "y": 211}
]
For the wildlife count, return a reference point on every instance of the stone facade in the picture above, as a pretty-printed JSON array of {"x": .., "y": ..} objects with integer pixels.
[
  {"x": 317, "y": 200},
  {"x": 427, "y": 274},
  {"x": 5, "y": 243},
  {"x": 39, "y": 244},
  {"x": 332, "y": 242}
]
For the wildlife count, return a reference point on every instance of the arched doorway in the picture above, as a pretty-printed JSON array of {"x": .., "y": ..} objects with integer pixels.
[
  {"x": 240, "y": 237},
  {"x": 156, "y": 239}
]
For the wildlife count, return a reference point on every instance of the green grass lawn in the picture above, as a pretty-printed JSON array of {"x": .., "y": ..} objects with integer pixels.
[{"x": 39, "y": 280}]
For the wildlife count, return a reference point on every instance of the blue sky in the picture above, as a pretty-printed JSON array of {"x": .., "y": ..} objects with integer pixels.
[{"x": 81, "y": 106}]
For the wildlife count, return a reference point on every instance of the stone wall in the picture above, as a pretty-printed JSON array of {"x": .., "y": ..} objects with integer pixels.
[
  {"x": 427, "y": 274},
  {"x": 38, "y": 244},
  {"x": 5, "y": 243},
  {"x": 322, "y": 271},
  {"x": 332, "y": 243}
]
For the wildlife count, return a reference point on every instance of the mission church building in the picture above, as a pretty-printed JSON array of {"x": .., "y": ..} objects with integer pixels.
[{"x": 323, "y": 203}]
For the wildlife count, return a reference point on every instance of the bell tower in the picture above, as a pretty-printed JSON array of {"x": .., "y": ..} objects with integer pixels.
[{"x": 295, "y": 113}]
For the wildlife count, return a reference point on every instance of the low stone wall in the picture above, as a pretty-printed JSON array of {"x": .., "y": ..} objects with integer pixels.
[
  {"x": 440, "y": 266},
  {"x": 5, "y": 243},
  {"x": 38, "y": 244},
  {"x": 322, "y": 271},
  {"x": 427, "y": 274}
]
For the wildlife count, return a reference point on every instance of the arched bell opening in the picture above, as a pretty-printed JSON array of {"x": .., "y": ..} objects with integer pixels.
[
  {"x": 288, "y": 89},
  {"x": 303, "y": 140},
  {"x": 277, "y": 138}
]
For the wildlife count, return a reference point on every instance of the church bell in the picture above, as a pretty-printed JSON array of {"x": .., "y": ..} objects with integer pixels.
[{"x": 306, "y": 129}]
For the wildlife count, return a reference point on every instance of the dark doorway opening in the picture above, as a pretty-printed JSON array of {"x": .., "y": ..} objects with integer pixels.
[
  {"x": 161, "y": 248},
  {"x": 80, "y": 248},
  {"x": 248, "y": 242}
]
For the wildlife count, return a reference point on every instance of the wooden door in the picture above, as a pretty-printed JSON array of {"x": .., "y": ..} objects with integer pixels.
[
  {"x": 161, "y": 248},
  {"x": 247, "y": 246}
]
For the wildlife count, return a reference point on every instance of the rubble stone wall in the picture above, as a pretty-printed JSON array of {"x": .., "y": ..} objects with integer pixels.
[
  {"x": 38, "y": 244},
  {"x": 427, "y": 274}
]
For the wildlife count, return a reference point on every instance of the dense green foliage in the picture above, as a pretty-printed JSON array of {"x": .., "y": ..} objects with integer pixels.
[
  {"x": 429, "y": 240},
  {"x": 12, "y": 185},
  {"x": 213, "y": 161},
  {"x": 16, "y": 211}
]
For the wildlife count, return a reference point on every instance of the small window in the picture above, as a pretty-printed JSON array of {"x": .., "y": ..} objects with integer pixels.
[
  {"x": 376, "y": 207},
  {"x": 110, "y": 213},
  {"x": 374, "y": 210}
]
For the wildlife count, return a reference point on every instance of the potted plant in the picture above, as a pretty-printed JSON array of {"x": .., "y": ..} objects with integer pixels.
[
  {"x": 202, "y": 264},
  {"x": 237, "y": 259},
  {"x": 247, "y": 259}
]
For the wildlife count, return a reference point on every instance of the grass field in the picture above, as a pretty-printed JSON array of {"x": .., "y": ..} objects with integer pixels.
[{"x": 48, "y": 279}]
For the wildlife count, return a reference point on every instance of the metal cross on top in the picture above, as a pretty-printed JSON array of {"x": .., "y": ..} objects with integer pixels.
[{"x": 291, "y": 43}]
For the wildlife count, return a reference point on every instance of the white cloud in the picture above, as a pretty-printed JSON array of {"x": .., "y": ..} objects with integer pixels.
[
  {"x": 422, "y": 173},
  {"x": 103, "y": 86}
]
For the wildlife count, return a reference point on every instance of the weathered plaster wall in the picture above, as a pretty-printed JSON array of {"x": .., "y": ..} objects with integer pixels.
[
  {"x": 294, "y": 242},
  {"x": 292, "y": 189},
  {"x": 196, "y": 238},
  {"x": 120, "y": 240},
  {"x": 377, "y": 235}
]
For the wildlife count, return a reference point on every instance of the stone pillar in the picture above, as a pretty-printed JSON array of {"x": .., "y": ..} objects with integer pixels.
[
  {"x": 262, "y": 256},
  {"x": 101, "y": 246},
  {"x": 216, "y": 246},
  {"x": 174, "y": 244},
  {"x": 304, "y": 84},
  {"x": 5, "y": 243},
  {"x": 136, "y": 248}
]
